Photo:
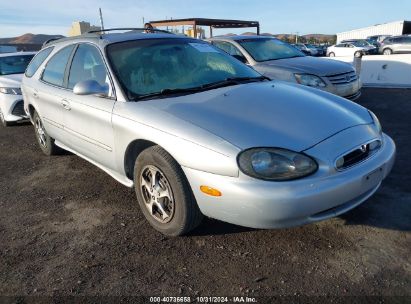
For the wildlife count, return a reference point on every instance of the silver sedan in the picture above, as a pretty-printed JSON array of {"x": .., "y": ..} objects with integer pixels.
[
  {"x": 196, "y": 132},
  {"x": 280, "y": 61}
]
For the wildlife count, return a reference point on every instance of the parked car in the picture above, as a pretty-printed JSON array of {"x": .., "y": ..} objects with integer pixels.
[
  {"x": 347, "y": 49},
  {"x": 278, "y": 60},
  {"x": 196, "y": 132},
  {"x": 312, "y": 50},
  {"x": 321, "y": 49},
  {"x": 7, "y": 49},
  {"x": 302, "y": 49},
  {"x": 371, "y": 48},
  {"x": 396, "y": 45},
  {"x": 377, "y": 38},
  {"x": 12, "y": 67}
]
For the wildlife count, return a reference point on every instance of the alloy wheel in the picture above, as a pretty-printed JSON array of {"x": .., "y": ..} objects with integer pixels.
[
  {"x": 41, "y": 133},
  {"x": 157, "y": 194}
]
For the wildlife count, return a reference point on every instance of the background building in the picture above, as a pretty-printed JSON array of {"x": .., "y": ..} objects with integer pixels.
[
  {"x": 81, "y": 27},
  {"x": 391, "y": 28}
]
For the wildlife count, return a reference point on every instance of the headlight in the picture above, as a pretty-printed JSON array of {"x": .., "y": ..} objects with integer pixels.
[
  {"x": 310, "y": 80},
  {"x": 12, "y": 91},
  {"x": 275, "y": 164},
  {"x": 376, "y": 122}
]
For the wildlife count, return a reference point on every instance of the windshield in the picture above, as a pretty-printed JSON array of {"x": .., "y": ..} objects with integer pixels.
[
  {"x": 14, "y": 64},
  {"x": 150, "y": 66},
  {"x": 269, "y": 49}
]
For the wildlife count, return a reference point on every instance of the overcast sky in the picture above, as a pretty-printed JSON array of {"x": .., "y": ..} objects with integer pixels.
[{"x": 18, "y": 17}]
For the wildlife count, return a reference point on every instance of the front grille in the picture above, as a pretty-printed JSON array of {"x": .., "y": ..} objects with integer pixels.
[
  {"x": 343, "y": 78},
  {"x": 357, "y": 155},
  {"x": 18, "y": 109}
]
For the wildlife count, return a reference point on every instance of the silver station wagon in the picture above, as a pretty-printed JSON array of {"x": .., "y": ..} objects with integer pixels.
[{"x": 198, "y": 133}]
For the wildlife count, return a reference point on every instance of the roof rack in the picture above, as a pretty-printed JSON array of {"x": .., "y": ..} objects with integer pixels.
[
  {"x": 128, "y": 29},
  {"x": 50, "y": 40}
]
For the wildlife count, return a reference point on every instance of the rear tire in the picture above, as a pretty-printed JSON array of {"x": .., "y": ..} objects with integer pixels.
[
  {"x": 45, "y": 142},
  {"x": 387, "y": 51},
  {"x": 164, "y": 194},
  {"x": 331, "y": 54}
]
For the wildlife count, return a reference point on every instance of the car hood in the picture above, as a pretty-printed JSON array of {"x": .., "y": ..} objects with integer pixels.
[
  {"x": 11, "y": 81},
  {"x": 268, "y": 114},
  {"x": 311, "y": 65}
]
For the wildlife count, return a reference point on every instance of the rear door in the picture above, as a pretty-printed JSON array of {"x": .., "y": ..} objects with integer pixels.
[
  {"x": 49, "y": 92},
  {"x": 398, "y": 45},
  {"x": 339, "y": 49},
  {"x": 407, "y": 44},
  {"x": 87, "y": 118}
]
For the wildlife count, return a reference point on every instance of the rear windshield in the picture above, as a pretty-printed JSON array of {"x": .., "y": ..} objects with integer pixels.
[{"x": 14, "y": 64}]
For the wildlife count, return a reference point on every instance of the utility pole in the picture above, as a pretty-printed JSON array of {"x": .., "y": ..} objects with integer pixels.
[
  {"x": 296, "y": 37},
  {"x": 101, "y": 19}
]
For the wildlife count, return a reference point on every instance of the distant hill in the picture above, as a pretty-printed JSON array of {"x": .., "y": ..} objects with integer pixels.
[{"x": 29, "y": 39}]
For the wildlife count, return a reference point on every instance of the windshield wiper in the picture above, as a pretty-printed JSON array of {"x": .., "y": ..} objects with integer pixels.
[
  {"x": 214, "y": 85},
  {"x": 233, "y": 81},
  {"x": 166, "y": 92}
]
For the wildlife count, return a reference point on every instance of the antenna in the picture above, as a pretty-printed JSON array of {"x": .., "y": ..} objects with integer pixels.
[{"x": 101, "y": 19}]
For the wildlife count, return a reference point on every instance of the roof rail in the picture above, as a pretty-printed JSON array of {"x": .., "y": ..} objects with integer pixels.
[
  {"x": 128, "y": 29},
  {"x": 50, "y": 40}
]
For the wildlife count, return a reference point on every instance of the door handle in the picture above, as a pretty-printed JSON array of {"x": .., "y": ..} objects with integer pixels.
[{"x": 66, "y": 105}]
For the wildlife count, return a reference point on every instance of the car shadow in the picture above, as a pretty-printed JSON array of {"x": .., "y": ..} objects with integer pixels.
[
  {"x": 380, "y": 212},
  {"x": 21, "y": 124},
  {"x": 211, "y": 226}
]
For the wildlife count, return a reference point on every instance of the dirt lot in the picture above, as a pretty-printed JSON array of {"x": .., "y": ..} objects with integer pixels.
[{"x": 67, "y": 228}]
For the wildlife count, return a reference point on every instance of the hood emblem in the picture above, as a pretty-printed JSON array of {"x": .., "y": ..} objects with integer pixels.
[{"x": 348, "y": 78}]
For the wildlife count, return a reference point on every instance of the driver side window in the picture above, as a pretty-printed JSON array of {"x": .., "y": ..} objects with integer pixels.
[{"x": 87, "y": 64}]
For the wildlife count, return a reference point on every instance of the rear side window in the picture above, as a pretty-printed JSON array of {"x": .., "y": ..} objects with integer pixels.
[
  {"x": 37, "y": 61},
  {"x": 56, "y": 67}
]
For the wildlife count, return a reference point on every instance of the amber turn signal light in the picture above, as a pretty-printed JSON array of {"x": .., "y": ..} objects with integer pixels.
[{"x": 210, "y": 191}]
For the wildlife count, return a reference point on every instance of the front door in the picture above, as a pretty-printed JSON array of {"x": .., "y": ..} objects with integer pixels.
[{"x": 87, "y": 118}]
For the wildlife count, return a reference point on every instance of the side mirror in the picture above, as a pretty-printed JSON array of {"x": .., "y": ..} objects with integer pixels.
[
  {"x": 240, "y": 58},
  {"x": 90, "y": 87}
]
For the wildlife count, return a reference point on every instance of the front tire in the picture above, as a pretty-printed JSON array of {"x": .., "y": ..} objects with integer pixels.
[
  {"x": 3, "y": 121},
  {"x": 387, "y": 52},
  {"x": 357, "y": 54},
  {"x": 45, "y": 142},
  {"x": 164, "y": 194},
  {"x": 331, "y": 54}
]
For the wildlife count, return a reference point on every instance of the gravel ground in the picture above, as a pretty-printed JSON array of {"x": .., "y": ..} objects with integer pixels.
[{"x": 67, "y": 228}]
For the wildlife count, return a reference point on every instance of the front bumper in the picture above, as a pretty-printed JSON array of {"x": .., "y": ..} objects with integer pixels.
[
  {"x": 255, "y": 203},
  {"x": 350, "y": 90},
  {"x": 12, "y": 107}
]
